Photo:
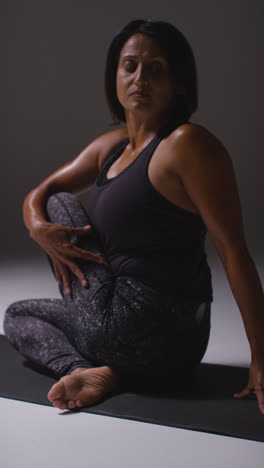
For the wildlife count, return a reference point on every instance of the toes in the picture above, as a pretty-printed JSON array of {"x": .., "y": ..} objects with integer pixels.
[
  {"x": 71, "y": 404},
  {"x": 59, "y": 404},
  {"x": 63, "y": 406},
  {"x": 77, "y": 391},
  {"x": 56, "y": 391}
]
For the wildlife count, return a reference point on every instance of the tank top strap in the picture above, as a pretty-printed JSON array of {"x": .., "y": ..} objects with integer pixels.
[
  {"x": 143, "y": 156},
  {"x": 102, "y": 179}
]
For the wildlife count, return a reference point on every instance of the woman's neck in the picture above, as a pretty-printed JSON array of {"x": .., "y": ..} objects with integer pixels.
[{"x": 140, "y": 131}]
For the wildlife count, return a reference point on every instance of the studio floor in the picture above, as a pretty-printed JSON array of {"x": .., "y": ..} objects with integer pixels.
[{"x": 39, "y": 436}]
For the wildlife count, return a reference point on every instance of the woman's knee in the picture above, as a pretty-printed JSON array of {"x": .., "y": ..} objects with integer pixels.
[
  {"x": 65, "y": 209},
  {"x": 58, "y": 203},
  {"x": 11, "y": 313},
  {"x": 60, "y": 197}
]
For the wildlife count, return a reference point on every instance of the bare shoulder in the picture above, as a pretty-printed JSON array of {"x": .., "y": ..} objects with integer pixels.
[
  {"x": 107, "y": 142},
  {"x": 192, "y": 141},
  {"x": 207, "y": 173}
]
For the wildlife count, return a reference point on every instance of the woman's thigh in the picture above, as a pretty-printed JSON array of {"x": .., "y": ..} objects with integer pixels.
[{"x": 134, "y": 327}]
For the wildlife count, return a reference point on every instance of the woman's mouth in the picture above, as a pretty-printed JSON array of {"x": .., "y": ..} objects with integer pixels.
[{"x": 140, "y": 94}]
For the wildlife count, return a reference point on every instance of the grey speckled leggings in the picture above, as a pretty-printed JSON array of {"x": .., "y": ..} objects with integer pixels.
[{"x": 117, "y": 321}]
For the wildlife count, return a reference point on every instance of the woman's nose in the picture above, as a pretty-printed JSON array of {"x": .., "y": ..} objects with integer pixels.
[{"x": 141, "y": 74}]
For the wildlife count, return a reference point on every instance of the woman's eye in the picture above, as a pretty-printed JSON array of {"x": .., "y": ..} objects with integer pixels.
[
  {"x": 156, "y": 67},
  {"x": 130, "y": 66}
]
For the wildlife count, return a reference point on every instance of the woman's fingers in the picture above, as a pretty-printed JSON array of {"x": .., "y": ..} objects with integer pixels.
[
  {"x": 65, "y": 252},
  {"x": 80, "y": 253},
  {"x": 82, "y": 230},
  {"x": 62, "y": 274},
  {"x": 259, "y": 391},
  {"x": 261, "y": 403},
  {"x": 78, "y": 231},
  {"x": 66, "y": 279},
  {"x": 78, "y": 273},
  {"x": 255, "y": 383},
  {"x": 57, "y": 272},
  {"x": 247, "y": 391}
]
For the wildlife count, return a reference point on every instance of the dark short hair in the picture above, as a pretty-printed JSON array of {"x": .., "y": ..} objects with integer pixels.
[{"x": 178, "y": 54}]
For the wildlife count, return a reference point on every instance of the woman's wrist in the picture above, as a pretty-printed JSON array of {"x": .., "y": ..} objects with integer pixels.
[
  {"x": 37, "y": 227},
  {"x": 257, "y": 349}
]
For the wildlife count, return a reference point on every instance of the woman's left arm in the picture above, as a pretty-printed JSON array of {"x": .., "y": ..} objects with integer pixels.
[{"x": 207, "y": 173}]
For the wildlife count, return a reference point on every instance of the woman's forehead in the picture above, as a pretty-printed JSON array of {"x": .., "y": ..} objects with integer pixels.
[{"x": 143, "y": 46}]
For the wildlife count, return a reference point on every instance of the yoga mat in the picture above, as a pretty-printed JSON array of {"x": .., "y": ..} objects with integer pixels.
[{"x": 203, "y": 403}]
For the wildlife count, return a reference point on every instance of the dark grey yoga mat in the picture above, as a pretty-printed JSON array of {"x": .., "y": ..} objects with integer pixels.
[{"x": 204, "y": 403}]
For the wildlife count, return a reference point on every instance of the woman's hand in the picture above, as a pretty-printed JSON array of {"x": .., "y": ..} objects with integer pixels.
[
  {"x": 56, "y": 241},
  {"x": 255, "y": 382}
]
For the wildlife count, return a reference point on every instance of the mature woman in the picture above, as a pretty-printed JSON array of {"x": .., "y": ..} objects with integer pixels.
[{"x": 135, "y": 282}]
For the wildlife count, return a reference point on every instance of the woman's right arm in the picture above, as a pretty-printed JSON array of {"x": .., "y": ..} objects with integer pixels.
[{"x": 74, "y": 177}]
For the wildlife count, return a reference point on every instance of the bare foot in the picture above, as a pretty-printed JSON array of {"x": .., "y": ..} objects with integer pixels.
[{"x": 83, "y": 387}]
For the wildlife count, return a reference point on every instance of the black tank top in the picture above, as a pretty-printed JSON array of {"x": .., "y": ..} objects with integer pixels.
[{"x": 146, "y": 236}]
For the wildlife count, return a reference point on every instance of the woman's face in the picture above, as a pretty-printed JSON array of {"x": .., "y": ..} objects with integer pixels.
[{"x": 144, "y": 83}]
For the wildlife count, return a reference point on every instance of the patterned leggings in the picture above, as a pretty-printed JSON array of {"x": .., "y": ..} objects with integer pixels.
[{"x": 117, "y": 321}]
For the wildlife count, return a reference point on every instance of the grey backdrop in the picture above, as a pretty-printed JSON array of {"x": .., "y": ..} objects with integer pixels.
[{"x": 56, "y": 105}]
